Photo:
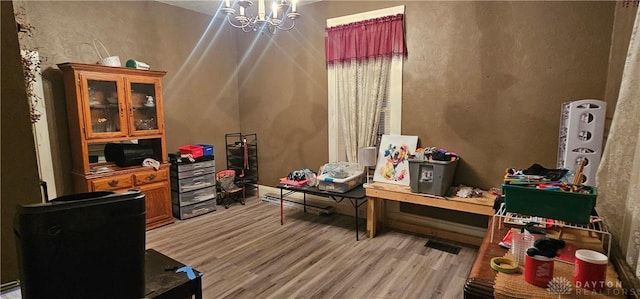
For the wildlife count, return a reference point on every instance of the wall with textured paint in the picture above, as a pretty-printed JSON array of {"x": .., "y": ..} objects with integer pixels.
[
  {"x": 20, "y": 184},
  {"x": 199, "y": 55},
  {"x": 483, "y": 78},
  {"x": 625, "y": 16}
]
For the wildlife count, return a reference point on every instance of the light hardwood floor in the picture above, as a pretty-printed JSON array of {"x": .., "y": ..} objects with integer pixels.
[{"x": 244, "y": 252}]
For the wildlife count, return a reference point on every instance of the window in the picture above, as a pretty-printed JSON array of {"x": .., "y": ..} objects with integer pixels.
[{"x": 391, "y": 115}]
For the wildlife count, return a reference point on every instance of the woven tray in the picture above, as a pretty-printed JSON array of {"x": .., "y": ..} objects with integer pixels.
[{"x": 514, "y": 285}]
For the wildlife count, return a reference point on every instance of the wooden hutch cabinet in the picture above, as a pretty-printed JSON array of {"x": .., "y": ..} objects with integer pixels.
[{"x": 107, "y": 105}]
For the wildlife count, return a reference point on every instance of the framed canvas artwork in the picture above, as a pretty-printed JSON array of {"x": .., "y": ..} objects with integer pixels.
[{"x": 393, "y": 159}]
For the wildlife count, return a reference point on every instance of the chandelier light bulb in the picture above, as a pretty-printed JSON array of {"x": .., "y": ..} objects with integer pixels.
[{"x": 250, "y": 18}]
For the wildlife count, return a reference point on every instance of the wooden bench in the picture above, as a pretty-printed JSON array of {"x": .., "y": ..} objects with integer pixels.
[{"x": 378, "y": 191}]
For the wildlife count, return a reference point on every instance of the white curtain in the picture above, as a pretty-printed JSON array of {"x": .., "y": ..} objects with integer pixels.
[
  {"x": 361, "y": 87},
  {"x": 618, "y": 178}
]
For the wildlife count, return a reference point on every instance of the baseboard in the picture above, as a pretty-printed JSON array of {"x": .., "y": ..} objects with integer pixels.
[
  {"x": 344, "y": 207},
  {"x": 437, "y": 224},
  {"x": 9, "y": 285},
  {"x": 438, "y": 233},
  {"x": 312, "y": 207}
]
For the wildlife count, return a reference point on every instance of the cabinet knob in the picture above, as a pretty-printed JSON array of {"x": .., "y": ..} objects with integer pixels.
[
  {"x": 151, "y": 177},
  {"x": 113, "y": 183}
]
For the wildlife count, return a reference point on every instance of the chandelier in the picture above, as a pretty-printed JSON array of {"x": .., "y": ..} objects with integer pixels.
[{"x": 282, "y": 16}]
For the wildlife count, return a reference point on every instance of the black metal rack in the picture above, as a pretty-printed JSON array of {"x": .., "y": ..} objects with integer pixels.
[{"x": 242, "y": 156}]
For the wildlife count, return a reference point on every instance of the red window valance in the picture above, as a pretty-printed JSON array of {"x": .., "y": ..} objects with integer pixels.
[{"x": 380, "y": 37}]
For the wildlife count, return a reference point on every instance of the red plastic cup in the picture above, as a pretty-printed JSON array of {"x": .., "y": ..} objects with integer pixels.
[
  {"x": 590, "y": 270},
  {"x": 538, "y": 270}
]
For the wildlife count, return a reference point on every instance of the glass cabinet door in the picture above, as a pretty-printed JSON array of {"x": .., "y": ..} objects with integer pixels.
[
  {"x": 105, "y": 108},
  {"x": 144, "y": 107}
]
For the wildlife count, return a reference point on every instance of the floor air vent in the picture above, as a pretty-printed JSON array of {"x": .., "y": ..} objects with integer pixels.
[{"x": 443, "y": 247}]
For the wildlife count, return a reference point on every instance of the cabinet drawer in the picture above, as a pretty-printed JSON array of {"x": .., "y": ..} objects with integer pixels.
[
  {"x": 194, "y": 210},
  {"x": 190, "y": 184},
  {"x": 188, "y": 198},
  {"x": 193, "y": 166},
  {"x": 152, "y": 176},
  {"x": 112, "y": 183},
  {"x": 194, "y": 172}
]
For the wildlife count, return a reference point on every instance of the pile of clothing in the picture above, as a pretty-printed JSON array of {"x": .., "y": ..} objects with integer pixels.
[
  {"x": 533, "y": 175},
  {"x": 547, "y": 179},
  {"x": 435, "y": 154},
  {"x": 300, "y": 177}
]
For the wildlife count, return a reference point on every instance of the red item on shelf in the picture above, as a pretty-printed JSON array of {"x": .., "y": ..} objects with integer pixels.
[
  {"x": 293, "y": 183},
  {"x": 194, "y": 150},
  {"x": 506, "y": 241}
]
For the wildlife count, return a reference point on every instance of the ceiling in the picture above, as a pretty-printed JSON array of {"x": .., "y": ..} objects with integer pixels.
[
  {"x": 205, "y": 7},
  {"x": 211, "y": 6}
]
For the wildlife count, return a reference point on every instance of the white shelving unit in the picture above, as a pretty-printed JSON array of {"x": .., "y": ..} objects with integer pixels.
[
  {"x": 581, "y": 134},
  {"x": 597, "y": 226}
]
